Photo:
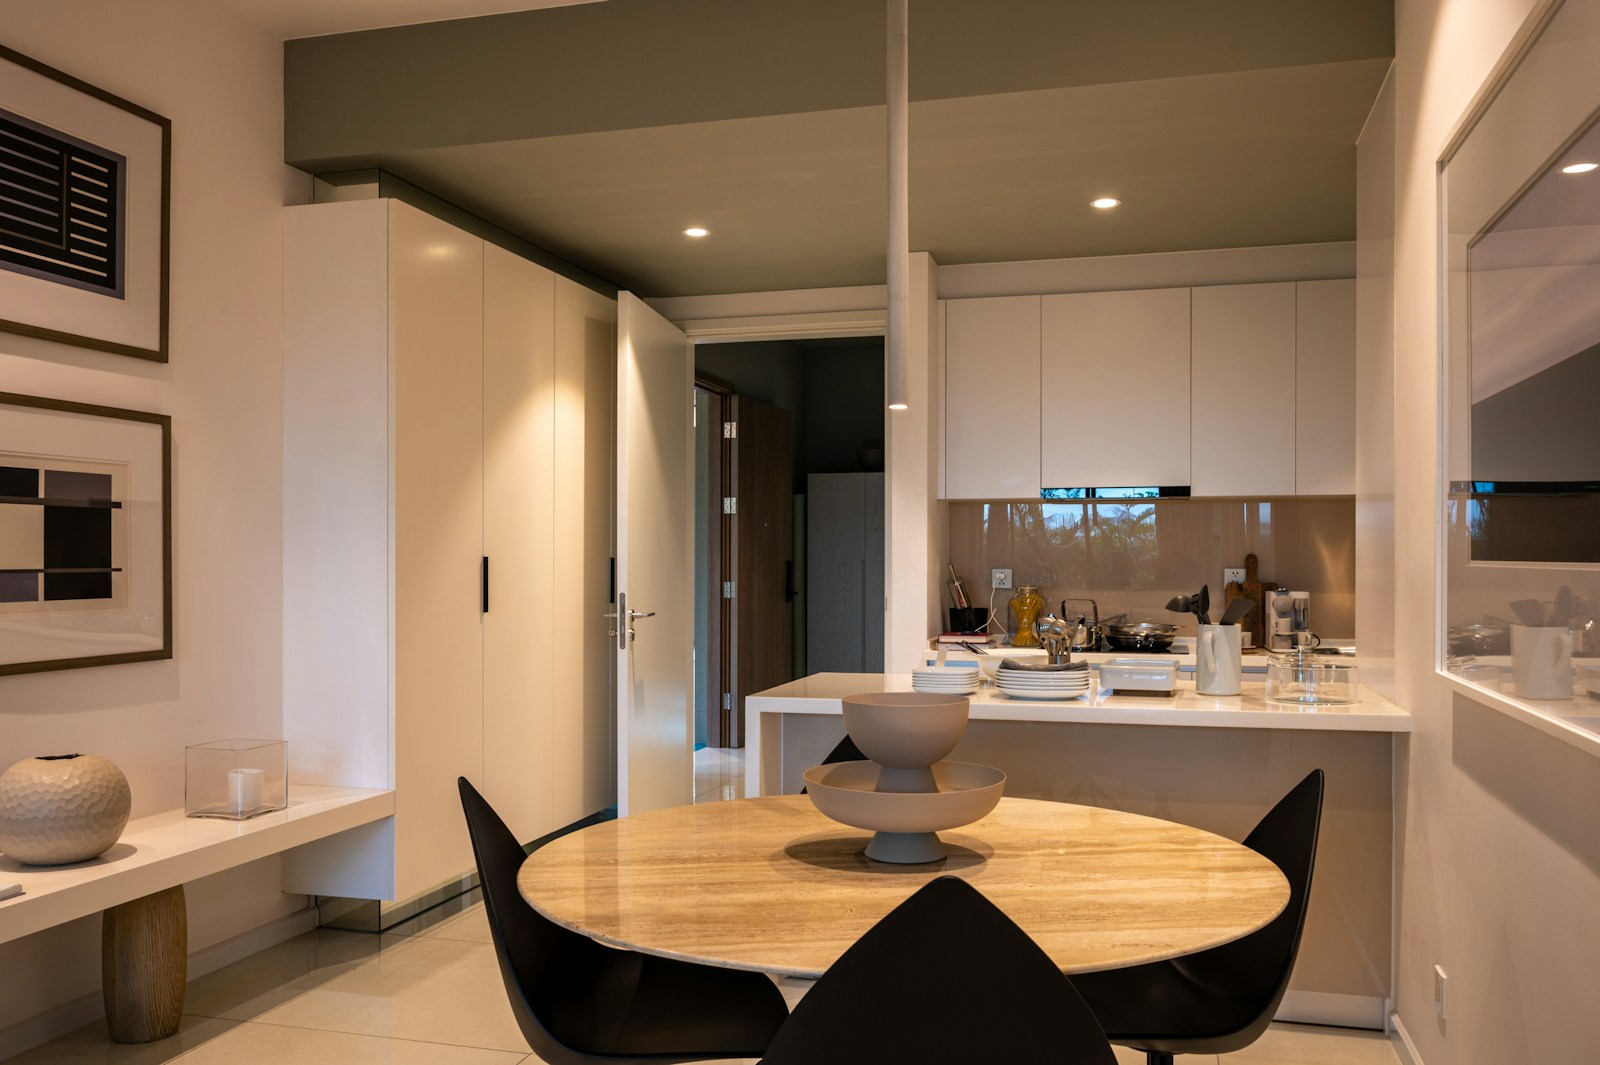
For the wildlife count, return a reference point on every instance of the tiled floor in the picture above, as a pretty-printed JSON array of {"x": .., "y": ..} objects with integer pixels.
[
  {"x": 430, "y": 994},
  {"x": 718, "y": 773}
]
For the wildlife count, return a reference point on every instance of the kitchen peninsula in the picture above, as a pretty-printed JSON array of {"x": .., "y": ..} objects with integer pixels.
[{"x": 1217, "y": 763}]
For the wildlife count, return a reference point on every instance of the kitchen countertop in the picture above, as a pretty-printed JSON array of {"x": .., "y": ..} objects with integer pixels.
[
  {"x": 1182, "y": 652},
  {"x": 821, "y": 694}
]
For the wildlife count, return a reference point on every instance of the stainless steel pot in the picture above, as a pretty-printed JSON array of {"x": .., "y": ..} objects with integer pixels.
[{"x": 1141, "y": 636}]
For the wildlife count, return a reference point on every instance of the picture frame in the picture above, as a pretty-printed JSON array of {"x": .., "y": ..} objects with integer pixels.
[
  {"x": 85, "y": 535},
  {"x": 84, "y": 248}
]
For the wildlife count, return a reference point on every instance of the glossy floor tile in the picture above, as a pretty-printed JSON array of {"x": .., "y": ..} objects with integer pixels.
[
  {"x": 718, "y": 774},
  {"x": 425, "y": 988},
  {"x": 435, "y": 996}
]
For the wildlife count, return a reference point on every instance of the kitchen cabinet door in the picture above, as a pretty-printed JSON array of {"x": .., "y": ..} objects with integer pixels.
[
  {"x": 1243, "y": 381},
  {"x": 1325, "y": 387},
  {"x": 1114, "y": 389},
  {"x": 991, "y": 404}
]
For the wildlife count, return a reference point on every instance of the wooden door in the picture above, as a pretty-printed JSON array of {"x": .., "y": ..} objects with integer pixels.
[
  {"x": 759, "y": 541},
  {"x": 654, "y": 608}
]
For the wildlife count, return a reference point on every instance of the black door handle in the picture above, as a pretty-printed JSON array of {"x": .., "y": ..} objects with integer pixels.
[{"x": 484, "y": 578}]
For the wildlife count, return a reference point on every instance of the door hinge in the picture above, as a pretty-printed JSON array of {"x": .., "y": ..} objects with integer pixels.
[
  {"x": 727, "y": 589},
  {"x": 730, "y": 504},
  {"x": 730, "y": 430},
  {"x": 727, "y": 700}
]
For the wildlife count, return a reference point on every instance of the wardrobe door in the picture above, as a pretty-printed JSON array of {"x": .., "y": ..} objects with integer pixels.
[
  {"x": 519, "y": 518},
  {"x": 585, "y": 413},
  {"x": 436, "y": 344}
]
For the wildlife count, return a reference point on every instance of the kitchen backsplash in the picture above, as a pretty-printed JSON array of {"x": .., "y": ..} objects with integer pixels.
[{"x": 1135, "y": 556}]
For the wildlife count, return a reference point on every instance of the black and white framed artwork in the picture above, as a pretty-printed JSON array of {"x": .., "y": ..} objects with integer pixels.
[
  {"x": 84, "y": 200},
  {"x": 85, "y": 535}
]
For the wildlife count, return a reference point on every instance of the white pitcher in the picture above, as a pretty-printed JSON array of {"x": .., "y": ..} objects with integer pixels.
[
  {"x": 1541, "y": 662},
  {"x": 1219, "y": 661}
]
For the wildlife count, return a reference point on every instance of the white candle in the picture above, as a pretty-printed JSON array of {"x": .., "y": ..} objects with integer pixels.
[{"x": 244, "y": 789}]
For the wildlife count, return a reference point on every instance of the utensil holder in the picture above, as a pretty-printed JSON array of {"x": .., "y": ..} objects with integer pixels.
[
  {"x": 1219, "y": 661},
  {"x": 1541, "y": 661}
]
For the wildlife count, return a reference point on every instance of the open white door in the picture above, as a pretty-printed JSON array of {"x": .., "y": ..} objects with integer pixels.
[{"x": 655, "y": 569}]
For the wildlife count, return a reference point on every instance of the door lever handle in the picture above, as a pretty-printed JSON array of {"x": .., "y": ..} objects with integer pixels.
[{"x": 641, "y": 614}]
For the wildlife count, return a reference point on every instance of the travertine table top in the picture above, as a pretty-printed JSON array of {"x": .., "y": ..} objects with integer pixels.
[{"x": 770, "y": 884}]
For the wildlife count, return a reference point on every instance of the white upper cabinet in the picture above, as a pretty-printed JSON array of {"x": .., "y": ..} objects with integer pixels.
[
  {"x": 991, "y": 443},
  {"x": 1325, "y": 386},
  {"x": 1243, "y": 433},
  {"x": 1114, "y": 389}
]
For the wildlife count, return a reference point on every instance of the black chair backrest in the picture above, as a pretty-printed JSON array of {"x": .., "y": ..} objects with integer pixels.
[
  {"x": 945, "y": 977},
  {"x": 541, "y": 962},
  {"x": 1259, "y": 965}
]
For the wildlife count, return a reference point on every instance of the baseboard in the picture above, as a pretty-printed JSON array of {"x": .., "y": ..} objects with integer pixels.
[
  {"x": 1404, "y": 1048},
  {"x": 69, "y": 1016},
  {"x": 1325, "y": 1007}
]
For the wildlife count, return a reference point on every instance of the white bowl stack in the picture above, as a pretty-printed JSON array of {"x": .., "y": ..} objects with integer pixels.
[
  {"x": 945, "y": 680},
  {"x": 1054, "y": 684}
]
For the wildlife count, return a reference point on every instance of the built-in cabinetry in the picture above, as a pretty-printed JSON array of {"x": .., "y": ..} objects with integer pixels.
[
  {"x": 1242, "y": 366},
  {"x": 433, "y": 543},
  {"x": 992, "y": 423},
  {"x": 1232, "y": 390},
  {"x": 1325, "y": 387},
  {"x": 844, "y": 572},
  {"x": 1114, "y": 389}
]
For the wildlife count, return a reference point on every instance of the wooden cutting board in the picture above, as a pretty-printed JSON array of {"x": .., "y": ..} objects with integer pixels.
[{"x": 1250, "y": 588}]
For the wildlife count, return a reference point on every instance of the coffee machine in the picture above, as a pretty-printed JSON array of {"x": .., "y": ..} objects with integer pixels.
[{"x": 1288, "y": 619}]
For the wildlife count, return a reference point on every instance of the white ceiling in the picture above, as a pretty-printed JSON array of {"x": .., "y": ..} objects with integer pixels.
[{"x": 291, "y": 19}]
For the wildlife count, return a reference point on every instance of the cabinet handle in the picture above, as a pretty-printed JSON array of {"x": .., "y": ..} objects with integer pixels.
[{"x": 484, "y": 584}]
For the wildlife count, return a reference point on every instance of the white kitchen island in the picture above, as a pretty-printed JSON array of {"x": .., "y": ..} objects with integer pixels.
[{"x": 1218, "y": 763}]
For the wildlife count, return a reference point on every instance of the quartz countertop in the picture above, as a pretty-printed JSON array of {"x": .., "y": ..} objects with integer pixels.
[{"x": 821, "y": 694}]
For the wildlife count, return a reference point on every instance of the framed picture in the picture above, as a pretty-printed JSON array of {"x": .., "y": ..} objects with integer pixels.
[
  {"x": 85, "y": 535},
  {"x": 83, "y": 213}
]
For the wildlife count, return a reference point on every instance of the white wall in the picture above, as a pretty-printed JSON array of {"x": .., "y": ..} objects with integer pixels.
[
  {"x": 220, "y": 82},
  {"x": 1500, "y": 878}
]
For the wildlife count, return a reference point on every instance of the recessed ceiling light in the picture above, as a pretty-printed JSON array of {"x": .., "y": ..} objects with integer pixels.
[
  {"x": 1579, "y": 168},
  {"x": 697, "y": 231},
  {"x": 1105, "y": 203}
]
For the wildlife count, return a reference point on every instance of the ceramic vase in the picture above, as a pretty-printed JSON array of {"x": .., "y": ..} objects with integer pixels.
[{"x": 63, "y": 808}]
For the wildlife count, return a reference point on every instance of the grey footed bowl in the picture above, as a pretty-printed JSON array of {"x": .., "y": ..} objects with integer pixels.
[
  {"x": 905, "y": 823},
  {"x": 905, "y": 732}
]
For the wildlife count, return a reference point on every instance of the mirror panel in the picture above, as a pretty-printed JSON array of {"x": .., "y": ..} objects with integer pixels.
[{"x": 1520, "y": 282}]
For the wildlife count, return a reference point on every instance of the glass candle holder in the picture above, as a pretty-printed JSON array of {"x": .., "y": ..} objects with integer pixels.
[{"x": 235, "y": 779}]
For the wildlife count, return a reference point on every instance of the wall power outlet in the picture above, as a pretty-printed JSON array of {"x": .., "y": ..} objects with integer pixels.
[
  {"x": 1002, "y": 578},
  {"x": 1233, "y": 575}
]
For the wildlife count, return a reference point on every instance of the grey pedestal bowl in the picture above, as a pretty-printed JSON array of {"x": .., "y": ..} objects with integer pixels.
[{"x": 906, "y": 794}]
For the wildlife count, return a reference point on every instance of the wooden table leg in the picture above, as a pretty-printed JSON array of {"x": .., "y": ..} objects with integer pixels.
[{"x": 144, "y": 963}]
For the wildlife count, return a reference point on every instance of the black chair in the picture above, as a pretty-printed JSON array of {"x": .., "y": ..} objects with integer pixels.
[
  {"x": 944, "y": 978},
  {"x": 577, "y": 1001},
  {"x": 1219, "y": 1000}
]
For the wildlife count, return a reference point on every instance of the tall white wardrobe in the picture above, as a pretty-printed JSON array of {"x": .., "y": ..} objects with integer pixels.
[{"x": 448, "y": 433}]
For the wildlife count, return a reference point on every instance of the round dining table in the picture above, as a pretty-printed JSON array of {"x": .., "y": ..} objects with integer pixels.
[{"x": 770, "y": 884}]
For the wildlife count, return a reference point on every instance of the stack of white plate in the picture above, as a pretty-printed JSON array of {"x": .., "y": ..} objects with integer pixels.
[
  {"x": 1026, "y": 684},
  {"x": 944, "y": 680}
]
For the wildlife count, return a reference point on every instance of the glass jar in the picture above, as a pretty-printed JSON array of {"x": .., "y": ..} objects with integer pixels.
[
  {"x": 1025, "y": 607},
  {"x": 1299, "y": 676}
]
